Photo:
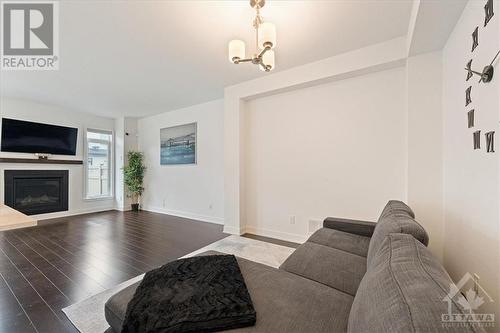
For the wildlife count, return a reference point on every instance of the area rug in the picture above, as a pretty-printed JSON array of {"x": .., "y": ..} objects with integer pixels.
[{"x": 88, "y": 315}]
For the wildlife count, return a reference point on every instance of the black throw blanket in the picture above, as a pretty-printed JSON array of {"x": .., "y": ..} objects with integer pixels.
[{"x": 199, "y": 294}]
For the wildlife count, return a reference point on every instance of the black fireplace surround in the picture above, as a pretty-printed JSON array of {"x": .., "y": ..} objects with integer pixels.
[{"x": 36, "y": 191}]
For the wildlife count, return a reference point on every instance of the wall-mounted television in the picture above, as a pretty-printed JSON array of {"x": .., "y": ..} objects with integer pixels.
[{"x": 28, "y": 137}]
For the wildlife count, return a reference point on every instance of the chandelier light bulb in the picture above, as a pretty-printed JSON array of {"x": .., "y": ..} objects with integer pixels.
[
  {"x": 236, "y": 50},
  {"x": 267, "y": 35}
]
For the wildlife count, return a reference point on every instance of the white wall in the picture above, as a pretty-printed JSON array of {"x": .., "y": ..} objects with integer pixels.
[
  {"x": 131, "y": 142},
  {"x": 119, "y": 162},
  {"x": 336, "y": 149},
  {"x": 126, "y": 139},
  {"x": 193, "y": 191},
  {"x": 26, "y": 110},
  {"x": 374, "y": 58},
  {"x": 425, "y": 159},
  {"x": 471, "y": 178}
]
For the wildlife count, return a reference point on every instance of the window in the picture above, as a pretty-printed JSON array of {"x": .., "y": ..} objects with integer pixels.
[{"x": 98, "y": 168}]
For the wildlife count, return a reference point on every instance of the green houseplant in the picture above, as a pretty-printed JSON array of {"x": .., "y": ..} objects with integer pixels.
[{"x": 133, "y": 175}]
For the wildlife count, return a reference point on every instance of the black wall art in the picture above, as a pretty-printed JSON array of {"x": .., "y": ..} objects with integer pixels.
[
  {"x": 468, "y": 99},
  {"x": 490, "y": 142},
  {"x": 469, "y": 73},
  {"x": 475, "y": 39},
  {"x": 488, "y": 11},
  {"x": 477, "y": 139},
  {"x": 485, "y": 75},
  {"x": 470, "y": 118}
]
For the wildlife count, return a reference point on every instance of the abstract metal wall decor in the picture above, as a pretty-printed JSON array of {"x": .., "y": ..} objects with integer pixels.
[
  {"x": 485, "y": 75},
  {"x": 468, "y": 67},
  {"x": 470, "y": 118},
  {"x": 468, "y": 99},
  {"x": 488, "y": 11},
  {"x": 475, "y": 39},
  {"x": 490, "y": 142},
  {"x": 477, "y": 139}
]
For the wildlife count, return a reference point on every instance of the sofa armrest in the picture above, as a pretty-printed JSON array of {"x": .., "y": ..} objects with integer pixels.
[{"x": 362, "y": 228}]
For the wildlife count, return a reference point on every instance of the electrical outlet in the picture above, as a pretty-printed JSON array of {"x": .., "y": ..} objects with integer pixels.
[
  {"x": 164, "y": 203},
  {"x": 210, "y": 206},
  {"x": 292, "y": 219}
]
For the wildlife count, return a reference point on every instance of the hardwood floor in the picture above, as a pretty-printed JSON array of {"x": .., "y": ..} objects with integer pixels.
[{"x": 62, "y": 261}]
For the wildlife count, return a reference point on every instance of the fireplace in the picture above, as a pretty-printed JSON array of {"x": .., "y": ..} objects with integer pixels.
[{"x": 36, "y": 191}]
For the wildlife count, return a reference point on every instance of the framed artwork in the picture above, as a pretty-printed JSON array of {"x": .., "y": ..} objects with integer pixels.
[{"x": 178, "y": 144}]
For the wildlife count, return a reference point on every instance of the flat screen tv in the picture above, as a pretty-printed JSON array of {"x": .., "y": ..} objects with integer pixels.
[{"x": 27, "y": 137}]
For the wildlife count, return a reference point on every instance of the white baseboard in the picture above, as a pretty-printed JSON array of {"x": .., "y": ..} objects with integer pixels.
[
  {"x": 188, "y": 215},
  {"x": 286, "y": 236},
  {"x": 123, "y": 209},
  {"x": 47, "y": 216},
  {"x": 233, "y": 230}
]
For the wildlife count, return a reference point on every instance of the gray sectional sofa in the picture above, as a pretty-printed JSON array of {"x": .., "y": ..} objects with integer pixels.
[{"x": 350, "y": 276}]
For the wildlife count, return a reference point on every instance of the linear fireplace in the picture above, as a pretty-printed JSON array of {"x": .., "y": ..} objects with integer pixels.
[{"x": 36, "y": 191}]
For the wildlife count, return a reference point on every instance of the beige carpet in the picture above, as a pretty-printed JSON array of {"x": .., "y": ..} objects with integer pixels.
[{"x": 88, "y": 315}]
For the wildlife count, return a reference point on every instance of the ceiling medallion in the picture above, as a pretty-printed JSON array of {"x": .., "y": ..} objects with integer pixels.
[{"x": 265, "y": 41}]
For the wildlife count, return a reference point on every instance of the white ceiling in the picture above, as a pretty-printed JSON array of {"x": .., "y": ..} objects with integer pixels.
[
  {"x": 136, "y": 58},
  {"x": 433, "y": 23}
]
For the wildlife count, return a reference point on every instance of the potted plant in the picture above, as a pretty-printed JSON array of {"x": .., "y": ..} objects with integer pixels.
[{"x": 133, "y": 175}]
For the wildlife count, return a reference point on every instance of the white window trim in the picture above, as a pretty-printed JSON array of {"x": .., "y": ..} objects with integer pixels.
[{"x": 111, "y": 164}]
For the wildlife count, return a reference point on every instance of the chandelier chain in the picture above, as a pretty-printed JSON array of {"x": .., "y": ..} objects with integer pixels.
[{"x": 256, "y": 23}]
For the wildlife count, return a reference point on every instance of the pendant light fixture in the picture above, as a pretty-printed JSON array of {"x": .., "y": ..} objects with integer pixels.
[{"x": 265, "y": 40}]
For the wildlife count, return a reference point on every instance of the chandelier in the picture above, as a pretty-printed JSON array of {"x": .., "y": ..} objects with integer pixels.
[{"x": 265, "y": 41}]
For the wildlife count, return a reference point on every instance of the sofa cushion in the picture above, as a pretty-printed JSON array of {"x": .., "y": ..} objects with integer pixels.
[
  {"x": 403, "y": 291},
  {"x": 356, "y": 227},
  {"x": 341, "y": 240},
  {"x": 284, "y": 302},
  {"x": 116, "y": 306},
  {"x": 397, "y": 207},
  {"x": 396, "y": 217},
  {"x": 333, "y": 267}
]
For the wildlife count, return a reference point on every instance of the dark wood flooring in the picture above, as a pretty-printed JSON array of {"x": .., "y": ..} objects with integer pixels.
[{"x": 62, "y": 261}]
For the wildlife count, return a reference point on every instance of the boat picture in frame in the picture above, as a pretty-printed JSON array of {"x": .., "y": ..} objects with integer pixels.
[{"x": 178, "y": 144}]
